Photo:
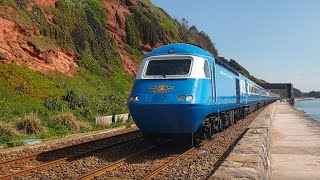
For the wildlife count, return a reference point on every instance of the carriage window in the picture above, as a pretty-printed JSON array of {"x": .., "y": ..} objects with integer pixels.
[
  {"x": 242, "y": 86},
  {"x": 206, "y": 69},
  {"x": 250, "y": 88},
  {"x": 168, "y": 67}
]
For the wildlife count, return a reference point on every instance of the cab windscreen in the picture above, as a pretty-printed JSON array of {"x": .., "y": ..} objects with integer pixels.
[{"x": 179, "y": 67}]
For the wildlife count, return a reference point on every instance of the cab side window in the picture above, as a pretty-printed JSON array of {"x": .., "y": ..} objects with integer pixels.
[{"x": 206, "y": 69}]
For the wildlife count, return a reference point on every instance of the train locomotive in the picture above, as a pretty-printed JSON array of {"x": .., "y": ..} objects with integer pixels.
[{"x": 182, "y": 91}]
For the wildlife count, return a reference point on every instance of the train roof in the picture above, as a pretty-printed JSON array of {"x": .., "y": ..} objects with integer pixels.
[
  {"x": 187, "y": 49},
  {"x": 179, "y": 48},
  {"x": 190, "y": 49}
]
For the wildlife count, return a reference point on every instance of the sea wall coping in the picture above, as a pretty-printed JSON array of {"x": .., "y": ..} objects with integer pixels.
[{"x": 250, "y": 158}]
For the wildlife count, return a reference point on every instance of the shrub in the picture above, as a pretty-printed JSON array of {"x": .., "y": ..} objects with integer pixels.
[
  {"x": 84, "y": 125},
  {"x": 30, "y": 124},
  {"x": 41, "y": 44},
  {"x": 52, "y": 104},
  {"x": 68, "y": 120},
  {"x": 8, "y": 129},
  {"x": 145, "y": 24},
  {"x": 75, "y": 100},
  {"x": 133, "y": 35}
]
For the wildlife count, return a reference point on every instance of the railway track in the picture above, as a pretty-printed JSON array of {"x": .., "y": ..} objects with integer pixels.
[
  {"x": 137, "y": 160},
  {"x": 168, "y": 163},
  {"x": 137, "y": 156},
  {"x": 142, "y": 166},
  {"x": 113, "y": 166},
  {"x": 33, "y": 163}
]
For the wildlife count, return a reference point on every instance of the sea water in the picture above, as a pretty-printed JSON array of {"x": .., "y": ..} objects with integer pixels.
[{"x": 311, "y": 107}]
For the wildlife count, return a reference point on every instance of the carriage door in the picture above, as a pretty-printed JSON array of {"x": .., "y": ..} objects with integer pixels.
[
  {"x": 213, "y": 82},
  {"x": 237, "y": 91}
]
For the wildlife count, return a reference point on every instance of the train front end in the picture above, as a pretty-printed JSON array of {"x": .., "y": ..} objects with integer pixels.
[{"x": 171, "y": 92}]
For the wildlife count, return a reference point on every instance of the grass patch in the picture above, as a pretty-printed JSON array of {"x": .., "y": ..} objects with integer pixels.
[
  {"x": 165, "y": 21},
  {"x": 24, "y": 91},
  {"x": 135, "y": 53},
  {"x": 41, "y": 44},
  {"x": 7, "y": 129}
]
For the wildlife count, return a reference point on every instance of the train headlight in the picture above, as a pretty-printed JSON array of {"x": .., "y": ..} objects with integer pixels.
[
  {"x": 136, "y": 98},
  {"x": 182, "y": 98},
  {"x": 189, "y": 98}
]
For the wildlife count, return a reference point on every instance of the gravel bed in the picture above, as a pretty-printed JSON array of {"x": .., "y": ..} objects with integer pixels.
[
  {"x": 78, "y": 167},
  {"x": 67, "y": 152},
  {"x": 17, "y": 167},
  {"x": 145, "y": 164},
  {"x": 201, "y": 163},
  {"x": 81, "y": 148},
  {"x": 23, "y": 151}
]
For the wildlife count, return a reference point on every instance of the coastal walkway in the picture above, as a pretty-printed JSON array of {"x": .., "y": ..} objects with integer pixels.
[
  {"x": 282, "y": 143},
  {"x": 295, "y": 144}
]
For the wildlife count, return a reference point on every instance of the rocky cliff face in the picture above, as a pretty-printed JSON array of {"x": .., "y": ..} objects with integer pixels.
[
  {"x": 117, "y": 13},
  {"x": 22, "y": 47},
  {"x": 25, "y": 42},
  {"x": 116, "y": 26}
]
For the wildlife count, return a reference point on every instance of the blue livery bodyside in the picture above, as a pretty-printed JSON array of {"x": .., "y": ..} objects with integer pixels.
[{"x": 161, "y": 103}]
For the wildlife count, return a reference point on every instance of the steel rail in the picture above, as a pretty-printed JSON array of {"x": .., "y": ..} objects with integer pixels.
[
  {"x": 62, "y": 160},
  {"x": 113, "y": 166},
  {"x": 156, "y": 171},
  {"x": 34, "y": 157},
  {"x": 16, "y": 161},
  {"x": 167, "y": 164}
]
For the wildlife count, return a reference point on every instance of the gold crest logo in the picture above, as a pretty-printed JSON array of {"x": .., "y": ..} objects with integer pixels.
[{"x": 161, "y": 88}]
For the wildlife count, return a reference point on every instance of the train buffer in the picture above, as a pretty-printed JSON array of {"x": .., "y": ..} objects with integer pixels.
[{"x": 295, "y": 145}]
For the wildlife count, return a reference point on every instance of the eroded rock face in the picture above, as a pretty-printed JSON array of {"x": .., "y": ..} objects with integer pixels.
[
  {"x": 14, "y": 48},
  {"x": 116, "y": 26},
  {"x": 45, "y": 3},
  {"x": 116, "y": 10}
]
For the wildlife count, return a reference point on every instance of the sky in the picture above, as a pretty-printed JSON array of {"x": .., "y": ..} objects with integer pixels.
[{"x": 275, "y": 40}]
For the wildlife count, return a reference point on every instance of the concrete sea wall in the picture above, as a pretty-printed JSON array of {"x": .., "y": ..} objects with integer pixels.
[{"x": 250, "y": 158}]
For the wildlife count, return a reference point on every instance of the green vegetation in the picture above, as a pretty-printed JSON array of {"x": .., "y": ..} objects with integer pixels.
[
  {"x": 30, "y": 124},
  {"x": 77, "y": 26},
  {"x": 194, "y": 36},
  {"x": 167, "y": 24},
  {"x": 235, "y": 65},
  {"x": 149, "y": 25},
  {"x": 315, "y": 94},
  {"x": 68, "y": 120},
  {"x": 7, "y": 131},
  {"x": 133, "y": 34},
  {"x": 62, "y": 104},
  {"x": 41, "y": 44},
  {"x": 142, "y": 24},
  {"x": 80, "y": 25},
  {"x": 297, "y": 93},
  {"x": 25, "y": 92}
]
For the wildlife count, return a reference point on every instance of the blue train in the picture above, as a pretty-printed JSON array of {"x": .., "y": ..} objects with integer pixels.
[{"x": 181, "y": 90}]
